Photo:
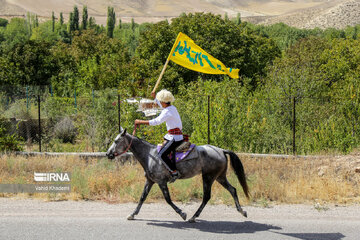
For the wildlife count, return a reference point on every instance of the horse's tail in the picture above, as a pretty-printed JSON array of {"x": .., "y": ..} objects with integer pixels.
[{"x": 239, "y": 171}]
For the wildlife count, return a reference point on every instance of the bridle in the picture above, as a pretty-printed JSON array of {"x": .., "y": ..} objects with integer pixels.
[{"x": 128, "y": 147}]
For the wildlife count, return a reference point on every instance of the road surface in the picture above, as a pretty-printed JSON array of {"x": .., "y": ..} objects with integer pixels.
[{"x": 37, "y": 219}]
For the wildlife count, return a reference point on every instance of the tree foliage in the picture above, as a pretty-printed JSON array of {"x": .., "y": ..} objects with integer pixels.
[
  {"x": 236, "y": 46},
  {"x": 29, "y": 63},
  {"x": 85, "y": 18},
  {"x": 316, "y": 69},
  {"x": 111, "y": 20}
]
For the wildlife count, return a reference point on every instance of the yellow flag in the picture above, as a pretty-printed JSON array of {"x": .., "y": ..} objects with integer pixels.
[{"x": 187, "y": 54}]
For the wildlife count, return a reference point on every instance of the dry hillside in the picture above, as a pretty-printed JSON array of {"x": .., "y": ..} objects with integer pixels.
[{"x": 299, "y": 13}]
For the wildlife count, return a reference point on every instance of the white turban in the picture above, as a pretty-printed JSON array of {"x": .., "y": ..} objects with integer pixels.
[{"x": 165, "y": 96}]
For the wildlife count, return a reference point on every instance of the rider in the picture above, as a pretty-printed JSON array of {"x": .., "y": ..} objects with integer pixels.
[{"x": 174, "y": 137}]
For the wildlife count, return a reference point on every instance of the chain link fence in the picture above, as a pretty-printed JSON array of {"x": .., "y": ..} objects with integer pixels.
[{"x": 90, "y": 122}]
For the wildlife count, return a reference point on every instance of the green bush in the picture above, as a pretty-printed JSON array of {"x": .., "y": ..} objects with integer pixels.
[
  {"x": 8, "y": 142},
  {"x": 65, "y": 130}
]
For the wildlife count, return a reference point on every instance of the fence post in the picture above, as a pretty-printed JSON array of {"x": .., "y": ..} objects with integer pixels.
[
  {"x": 39, "y": 116},
  {"x": 93, "y": 98},
  {"x": 119, "y": 114},
  {"x": 27, "y": 98},
  {"x": 208, "y": 113},
  {"x": 75, "y": 100},
  {"x": 294, "y": 126}
]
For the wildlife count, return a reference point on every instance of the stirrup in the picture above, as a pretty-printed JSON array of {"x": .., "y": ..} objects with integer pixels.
[{"x": 174, "y": 175}]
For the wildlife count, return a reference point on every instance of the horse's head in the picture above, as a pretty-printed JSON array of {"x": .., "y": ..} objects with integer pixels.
[{"x": 119, "y": 146}]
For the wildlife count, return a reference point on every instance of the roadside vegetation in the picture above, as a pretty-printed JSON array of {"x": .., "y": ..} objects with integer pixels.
[
  {"x": 331, "y": 180},
  {"x": 79, "y": 68}
]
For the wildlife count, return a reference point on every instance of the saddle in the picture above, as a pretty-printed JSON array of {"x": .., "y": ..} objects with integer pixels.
[
  {"x": 183, "y": 151},
  {"x": 183, "y": 147}
]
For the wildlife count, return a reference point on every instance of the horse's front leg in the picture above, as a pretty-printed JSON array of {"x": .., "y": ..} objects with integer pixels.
[
  {"x": 208, "y": 180},
  {"x": 165, "y": 191},
  {"x": 146, "y": 191}
]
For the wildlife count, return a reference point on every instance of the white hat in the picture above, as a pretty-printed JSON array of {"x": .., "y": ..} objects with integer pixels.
[{"x": 165, "y": 96}]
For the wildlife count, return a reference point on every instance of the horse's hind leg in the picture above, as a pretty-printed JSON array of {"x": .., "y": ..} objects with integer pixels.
[
  {"x": 225, "y": 183},
  {"x": 146, "y": 191},
  {"x": 208, "y": 180},
  {"x": 165, "y": 191}
]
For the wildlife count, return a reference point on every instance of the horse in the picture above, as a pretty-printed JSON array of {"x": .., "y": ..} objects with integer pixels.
[{"x": 211, "y": 162}]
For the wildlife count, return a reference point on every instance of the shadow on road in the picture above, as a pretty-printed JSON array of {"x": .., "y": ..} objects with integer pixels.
[
  {"x": 225, "y": 227},
  {"x": 314, "y": 236}
]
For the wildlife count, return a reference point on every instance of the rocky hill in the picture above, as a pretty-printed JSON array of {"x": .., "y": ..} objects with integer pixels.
[
  {"x": 298, "y": 13},
  {"x": 336, "y": 14}
]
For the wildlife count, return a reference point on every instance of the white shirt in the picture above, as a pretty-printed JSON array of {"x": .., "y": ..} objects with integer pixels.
[{"x": 172, "y": 118}]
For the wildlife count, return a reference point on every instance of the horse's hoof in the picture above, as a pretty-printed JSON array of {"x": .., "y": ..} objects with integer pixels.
[
  {"x": 183, "y": 215},
  {"x": 131, "y": 217},
  {"x": 244, "y": 213},
  {"x": 192, "y": 220}
]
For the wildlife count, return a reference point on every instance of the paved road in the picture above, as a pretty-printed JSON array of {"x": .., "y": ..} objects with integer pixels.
[{"x": 36, "y": 219}]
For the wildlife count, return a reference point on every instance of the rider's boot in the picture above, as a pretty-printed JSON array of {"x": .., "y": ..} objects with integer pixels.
[{"x": 174, "y": 175}]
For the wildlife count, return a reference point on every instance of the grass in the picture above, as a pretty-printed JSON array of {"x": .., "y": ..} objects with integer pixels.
[{"x": 314, "y": 181}]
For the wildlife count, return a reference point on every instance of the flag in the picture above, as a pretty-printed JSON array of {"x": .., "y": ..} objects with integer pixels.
[{"x": 187, "y": 54}]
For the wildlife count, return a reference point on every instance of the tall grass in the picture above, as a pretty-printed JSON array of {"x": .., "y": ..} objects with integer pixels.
[{"x": 270, "y": 180}]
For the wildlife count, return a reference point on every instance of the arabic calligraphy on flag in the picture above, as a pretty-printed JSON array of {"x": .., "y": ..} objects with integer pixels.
[{"x": 187, "y": 54}]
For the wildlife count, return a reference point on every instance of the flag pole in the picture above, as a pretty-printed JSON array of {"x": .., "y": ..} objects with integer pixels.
[
  {"x": 161, "y": 75},
  {"x": 166, "y": 63}
]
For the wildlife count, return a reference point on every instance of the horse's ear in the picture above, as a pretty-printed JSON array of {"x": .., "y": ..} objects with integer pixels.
[{"x": 123, "y": 132}]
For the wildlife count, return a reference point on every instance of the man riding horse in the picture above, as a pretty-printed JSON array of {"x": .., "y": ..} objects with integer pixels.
[{"x": 174, "y": 137}]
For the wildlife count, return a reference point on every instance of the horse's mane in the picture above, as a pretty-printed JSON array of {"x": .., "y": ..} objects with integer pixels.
[{"x": 144, "y": 141}]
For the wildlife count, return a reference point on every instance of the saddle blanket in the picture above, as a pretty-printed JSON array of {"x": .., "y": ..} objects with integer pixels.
[{"x": 179, "y": 155}]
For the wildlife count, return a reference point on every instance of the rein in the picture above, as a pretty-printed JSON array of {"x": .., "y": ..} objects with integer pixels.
[{"x": 128, "y": 147}]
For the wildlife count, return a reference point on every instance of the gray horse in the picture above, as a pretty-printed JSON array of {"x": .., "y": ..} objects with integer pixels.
[{"x": 211, "y": 163}]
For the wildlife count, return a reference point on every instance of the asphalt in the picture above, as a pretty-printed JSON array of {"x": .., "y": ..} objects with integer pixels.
[{"x": 37, "y": 219}]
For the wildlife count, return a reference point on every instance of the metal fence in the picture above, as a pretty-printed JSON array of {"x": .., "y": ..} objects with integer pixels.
[{"x": 90, "y": 121}]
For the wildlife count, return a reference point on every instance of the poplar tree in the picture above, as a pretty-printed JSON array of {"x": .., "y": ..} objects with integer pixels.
[
  {"x": 238, "y": 19},
  {"x": 111, "y": 19},
  {"x": 76, "y": 18},
  {"x": 92, "y": 22},
  {"x": 132, "y": 25},
  {"x": 53, "y": 21},
  {"x": 61, "y": 19},
  {"x": 71, "y": 22},
  {"x": 84, "y": 18}
]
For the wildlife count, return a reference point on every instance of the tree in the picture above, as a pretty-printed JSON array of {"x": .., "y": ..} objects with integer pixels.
[
  {"x": 226, "y": 17},
  {"x": 101, "y": 62},
  {"x": 321, "y": 75},
  {"x": 132, "y": 24},
  {"x": 45, "y": 32},
  {"x": 16, "y": 32},
  {"x": 61, "y": 19},
  {"x": 236, "y": 47},
  {"x": 76, "y": 18},
  {"x": 36, "y": 21},
  {"x": 31, "y": 63},
  {"x": 29, "y": 22},
  {"x": 3, "y": 22},
  {"x": 92, "y": 23},
  {"x": 84, "y": 18},
  {"x": 8, "y": 142},
  {"x": 238, "y": 19},
  {"x": 53, "y": 21},
  {"x": 111, "y": 20},
  {"x": 71, "y": 23}
]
